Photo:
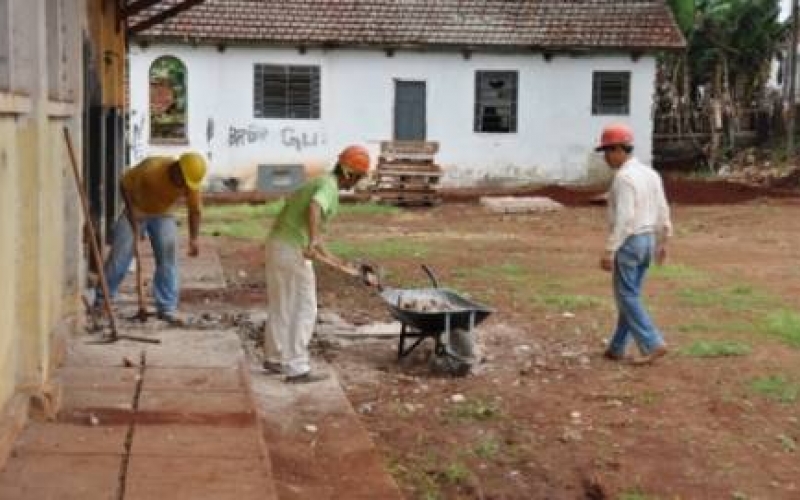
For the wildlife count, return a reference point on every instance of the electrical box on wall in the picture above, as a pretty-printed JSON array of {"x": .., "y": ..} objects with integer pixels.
[{"x": 279, "y": 178}]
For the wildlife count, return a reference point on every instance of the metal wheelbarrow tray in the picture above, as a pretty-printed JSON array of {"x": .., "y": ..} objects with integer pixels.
[{"x": 455, "y": 313}]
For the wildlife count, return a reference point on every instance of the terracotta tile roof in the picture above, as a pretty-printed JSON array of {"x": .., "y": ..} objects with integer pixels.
[{"x": 498, "y": 24}]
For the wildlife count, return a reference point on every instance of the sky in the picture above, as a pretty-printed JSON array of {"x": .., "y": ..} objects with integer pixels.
[{"x": 786, "y": 8}]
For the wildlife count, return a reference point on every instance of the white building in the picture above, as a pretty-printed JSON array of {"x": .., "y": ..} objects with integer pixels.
[{"x": 513, "y": 90}]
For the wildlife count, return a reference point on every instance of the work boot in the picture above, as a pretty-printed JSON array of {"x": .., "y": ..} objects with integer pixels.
[
  {"x": 306, "y": 378},
  {"x": 612, "y": 356},
  {"x": 272, "y": 368},
  {"x": 173, "y": 318},
  {"x": 651, "y": 356}
]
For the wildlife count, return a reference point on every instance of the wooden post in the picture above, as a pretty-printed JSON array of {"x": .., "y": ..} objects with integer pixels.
[
  {"x": 98, "y": 258},
  {"x": 792, "y": 84}
]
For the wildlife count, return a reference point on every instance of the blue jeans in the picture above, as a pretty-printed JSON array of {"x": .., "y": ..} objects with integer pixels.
[
  {"x": 162, "y": 232},
  {"x": 631, "y": 262}
]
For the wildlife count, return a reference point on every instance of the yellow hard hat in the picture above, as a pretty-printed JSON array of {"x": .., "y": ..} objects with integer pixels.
[{"x": 193, "y": 168}]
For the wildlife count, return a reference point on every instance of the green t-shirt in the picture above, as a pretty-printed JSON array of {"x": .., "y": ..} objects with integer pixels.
[{"x": 291, "y": 225}]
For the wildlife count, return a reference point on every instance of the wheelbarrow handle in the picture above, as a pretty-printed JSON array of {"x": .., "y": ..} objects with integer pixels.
[{"x": 430, "y": 274}]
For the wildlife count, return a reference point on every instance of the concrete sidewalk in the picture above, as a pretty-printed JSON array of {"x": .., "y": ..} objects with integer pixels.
[
  {"x": 178, "y": 424},
  {"x": 141, "y": 421},
  {"x": 187, "y": 419}
]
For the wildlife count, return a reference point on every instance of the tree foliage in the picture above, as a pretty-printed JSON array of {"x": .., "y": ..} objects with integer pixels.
[{"x": 730, "y": 47}]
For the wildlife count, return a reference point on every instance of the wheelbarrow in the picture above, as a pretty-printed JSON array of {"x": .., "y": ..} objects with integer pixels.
[{"x": 437, "y": 313}]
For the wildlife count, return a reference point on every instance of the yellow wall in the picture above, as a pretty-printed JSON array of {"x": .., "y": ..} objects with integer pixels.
[{"x": 42, "y": 258}]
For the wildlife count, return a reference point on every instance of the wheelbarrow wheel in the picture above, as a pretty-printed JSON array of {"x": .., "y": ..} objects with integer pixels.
[{"x": 457, "y": 357}]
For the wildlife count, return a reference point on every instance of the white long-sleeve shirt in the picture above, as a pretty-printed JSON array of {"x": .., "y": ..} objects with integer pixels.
[{"x": 637, "y": 204}]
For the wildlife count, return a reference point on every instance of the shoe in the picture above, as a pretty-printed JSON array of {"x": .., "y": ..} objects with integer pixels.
[
  {"x": 171, "y": 317},
  {"x": 650, "y": 357},
  {"x": 306, "y": 378},
  {"x": 272, "y": 368},
  {"x": 612, "y": 356}
]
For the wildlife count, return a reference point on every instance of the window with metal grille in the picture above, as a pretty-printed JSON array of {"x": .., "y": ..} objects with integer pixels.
[
  {"x": 496, "y": 101},
  {"x": 286, "y": 91},
  {"x": 611, "y": 92}
]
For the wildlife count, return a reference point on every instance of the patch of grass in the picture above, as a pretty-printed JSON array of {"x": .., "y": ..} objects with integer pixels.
[
  {"x": 242, "y": 211},
  {"x": 380, "y": 249},
  {"x": 510, "y": 272},
  {"x": 487, "y": 448},
  {"x": 423, "y": 484},
  {"x": 734, "y": 299},
  {"x": 570, "y": 302},
  {"x": 788, "y": 443},
  {"x": 634, "y": 495},
  {"x": 694, "y": 327},
  {"x": 247, "y": 229},
  {"x": 648, "y": 398},
  {"x": 715, "y": 349},
  {"x": 368, "y": 209},
  {"x": 677, "y": 272},
  {"x": 478, "y": 410},
  {"x": 785, "y": 325},
  {"x": 775, "y": 387},
  {"x": 456, "y": 473}
]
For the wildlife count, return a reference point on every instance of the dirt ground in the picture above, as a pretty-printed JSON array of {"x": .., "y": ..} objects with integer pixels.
[{"x": 544, "y": 416}]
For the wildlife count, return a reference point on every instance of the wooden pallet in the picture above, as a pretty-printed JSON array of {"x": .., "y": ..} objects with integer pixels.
[
  {"x": 407, "y": 174},
  {"x": 407, "y": 198}
]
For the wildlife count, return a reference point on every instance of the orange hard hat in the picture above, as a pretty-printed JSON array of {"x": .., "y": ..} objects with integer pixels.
[
  {"x": 355, "y": 158},
  {"x": 617, "y": 134}
]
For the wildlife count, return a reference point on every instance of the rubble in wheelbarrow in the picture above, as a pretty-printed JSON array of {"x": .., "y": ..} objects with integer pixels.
[{"x": 425, "y": 304}]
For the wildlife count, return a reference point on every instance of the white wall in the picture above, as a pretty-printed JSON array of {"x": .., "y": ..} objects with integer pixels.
[{"x": 555, "y": 127}]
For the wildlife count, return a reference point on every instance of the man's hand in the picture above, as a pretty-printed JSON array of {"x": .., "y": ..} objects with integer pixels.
[
  {"x": 607, "y": 261},
  {"x": 194, "y": 248},
  {"x": 311, "y": 252},
  {"x": 661, "y": 255}
]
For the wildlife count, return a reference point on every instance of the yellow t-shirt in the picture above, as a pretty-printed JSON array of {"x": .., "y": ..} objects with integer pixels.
[{"x": 152, "y": 192}]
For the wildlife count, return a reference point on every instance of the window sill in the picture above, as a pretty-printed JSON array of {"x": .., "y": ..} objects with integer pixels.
[
  {"x": 14, "y": 104},
  {"x": 61, "y": 109},
  {"x": 169, "y": 142}
]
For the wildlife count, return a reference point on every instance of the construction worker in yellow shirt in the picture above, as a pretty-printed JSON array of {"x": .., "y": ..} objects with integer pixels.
[{"x": 150, "y": 190}]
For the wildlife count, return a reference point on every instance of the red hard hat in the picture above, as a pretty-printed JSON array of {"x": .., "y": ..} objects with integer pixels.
[
  {"x": 355, "y": 158},
  {"x": 617, "y": 134}
]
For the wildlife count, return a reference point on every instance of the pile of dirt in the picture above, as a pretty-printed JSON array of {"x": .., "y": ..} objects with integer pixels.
[{"x": 718, "y": 192}]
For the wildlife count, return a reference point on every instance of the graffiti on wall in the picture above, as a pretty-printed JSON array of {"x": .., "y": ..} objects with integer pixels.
[
  {"x": 287, "y": 137},
  {"x": 138, "y": 142},
  {"x": 242, "y": 136}
]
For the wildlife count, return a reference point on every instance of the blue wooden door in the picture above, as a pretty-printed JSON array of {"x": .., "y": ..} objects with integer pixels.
[{"x": 409, "y": 111}]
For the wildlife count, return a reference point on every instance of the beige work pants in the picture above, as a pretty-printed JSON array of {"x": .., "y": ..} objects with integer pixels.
[{"x": 292, "y": 307}]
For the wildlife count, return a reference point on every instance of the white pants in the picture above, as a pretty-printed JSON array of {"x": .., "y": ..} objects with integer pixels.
[{"x": 292, "y": 307}]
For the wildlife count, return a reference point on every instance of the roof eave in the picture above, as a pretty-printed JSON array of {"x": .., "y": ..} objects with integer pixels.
[{"x": 413, "y": 46}]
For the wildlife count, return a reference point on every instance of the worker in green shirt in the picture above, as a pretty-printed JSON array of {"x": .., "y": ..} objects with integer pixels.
[{"x": 296, "y": 240}]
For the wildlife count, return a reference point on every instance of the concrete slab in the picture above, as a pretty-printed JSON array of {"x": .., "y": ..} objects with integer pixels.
[
  {"x": 193, "y": 402},
  {"x": 184, "y": 478},
  {"x": 179, "y": 348},
  {"x": 96, "y": 407},
  {"x": 318, "y": 448},
  {"x": 81, "y": 399},
  {"x": 519, "y": 204},
  {"x": 193, "y": 379},
  {"x": 203, "y": 272},
  {"x": 65, "y": 438},
  {"x": 34, "y": 476},
  {"x": 99, "y": 377},
  {"x": 183, "y": 348},
  {"x": 196, "y": 441}
]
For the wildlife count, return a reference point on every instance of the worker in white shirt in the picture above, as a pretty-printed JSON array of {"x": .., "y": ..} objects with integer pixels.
[{"x": 639, "y": 228}]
